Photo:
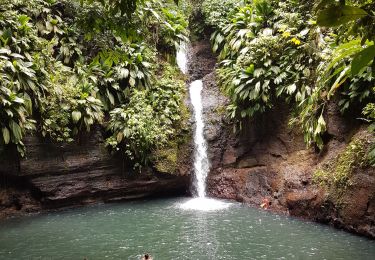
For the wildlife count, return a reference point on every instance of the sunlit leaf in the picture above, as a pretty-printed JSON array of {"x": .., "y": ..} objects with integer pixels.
[
  {"x": 362, "y": 59},
  {"x": 76, "y": 116}
]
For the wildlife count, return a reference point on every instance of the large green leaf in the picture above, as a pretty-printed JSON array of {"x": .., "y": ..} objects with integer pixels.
[
  {"x": 362, "y": 59},
  {"x": 6, "y": 135},
  {"x": 337, "y": 15},
  {"x": 16, "y": 131}
]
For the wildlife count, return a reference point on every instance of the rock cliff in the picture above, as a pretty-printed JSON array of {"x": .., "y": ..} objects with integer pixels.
[{"x": 55, "y": 176}]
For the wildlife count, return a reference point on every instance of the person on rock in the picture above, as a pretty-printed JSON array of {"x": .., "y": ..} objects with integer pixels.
[{"x": 265, "y": 203}]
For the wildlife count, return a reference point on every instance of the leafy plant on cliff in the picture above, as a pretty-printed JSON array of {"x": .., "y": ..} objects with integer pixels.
[
  {"x": 356, "y": 18},
  {"x": 15, "y": 121},
  {"x": 136, "y": 125},
  {"x": 65, "y": 65},
  {"x": 338, "y": 173},
  {"x": 20, "y": 63},
  {"x": 149, "y": 120},
  {"x": 115, "y": 7},
  {"x": 265, "y": 57},
  {"x": 273, "y": 52},
  {"x": 344, "y": 70},
  {"x": 116, "y": 71},
  {"x": 167, "y": 24},
  {"x": 369, "y": 113},
  {"x": 216, "y": 12},
  {"x": 71, "y": 109}
]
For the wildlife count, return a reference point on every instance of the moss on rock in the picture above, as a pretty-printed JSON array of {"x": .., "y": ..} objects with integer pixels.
[
  {"x": 165, "y": 159},
  {"x": 336, "y": 174}
]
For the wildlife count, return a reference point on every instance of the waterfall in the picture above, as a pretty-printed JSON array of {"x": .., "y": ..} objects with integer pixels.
[
  {"x": 181, "y": 58},
  {"x": 201, "y": 164}
]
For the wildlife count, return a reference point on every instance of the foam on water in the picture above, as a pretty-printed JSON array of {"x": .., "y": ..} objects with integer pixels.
[{"x": 204, "y": 204}]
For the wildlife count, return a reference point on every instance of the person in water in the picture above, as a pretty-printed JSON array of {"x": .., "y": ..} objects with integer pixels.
[{"x": 146, "y": 257}]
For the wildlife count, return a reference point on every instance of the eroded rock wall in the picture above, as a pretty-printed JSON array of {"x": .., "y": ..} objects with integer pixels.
[{"x": 64, "y": 175}]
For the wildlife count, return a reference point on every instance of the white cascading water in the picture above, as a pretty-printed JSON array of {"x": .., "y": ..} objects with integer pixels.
[
  {"x": 201, "y": 163},
  {"x": 201, "y": 166},
  {"x": 181, "y": 58}
]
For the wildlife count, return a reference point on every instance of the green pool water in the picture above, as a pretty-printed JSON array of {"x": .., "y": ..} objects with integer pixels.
[{"x": 163, "y": 229}]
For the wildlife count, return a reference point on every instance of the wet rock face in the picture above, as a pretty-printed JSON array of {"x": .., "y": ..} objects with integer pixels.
[
  {"x": 339, "y": 127},
  {"x": 269, "y": 160},
  {"x": 201, "y": 60},
  {"x": 54, "y": 176}
]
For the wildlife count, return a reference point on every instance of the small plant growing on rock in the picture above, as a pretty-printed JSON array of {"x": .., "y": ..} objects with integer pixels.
[{"x": 337, "y": 173}]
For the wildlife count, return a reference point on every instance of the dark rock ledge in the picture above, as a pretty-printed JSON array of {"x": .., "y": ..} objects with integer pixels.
[{"x": 55, "y": 176}]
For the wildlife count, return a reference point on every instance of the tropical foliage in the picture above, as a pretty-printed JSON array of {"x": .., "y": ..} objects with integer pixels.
[
  {"x": 303, "y": 53},
  {"x": 149, "y": 120},
  {"x": 66, "y": 65}
]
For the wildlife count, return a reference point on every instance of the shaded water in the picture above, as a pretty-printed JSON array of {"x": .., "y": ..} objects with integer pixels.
[{"x": 163, "y": 229}]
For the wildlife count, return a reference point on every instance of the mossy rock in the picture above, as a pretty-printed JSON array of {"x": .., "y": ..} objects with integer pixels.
[
  {"x": 165, "y": 159},
  {"x": 335, "y": 175}
]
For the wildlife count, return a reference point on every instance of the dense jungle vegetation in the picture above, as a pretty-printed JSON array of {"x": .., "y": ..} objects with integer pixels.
[
  {"x": 68, "y": 65},
  {"x": 304, "y": 53}
]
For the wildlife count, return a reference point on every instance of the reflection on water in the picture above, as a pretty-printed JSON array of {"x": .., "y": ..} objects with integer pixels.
[
  {"x": 210, "y": 243},
  {"x": 163, "y": 229}
]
